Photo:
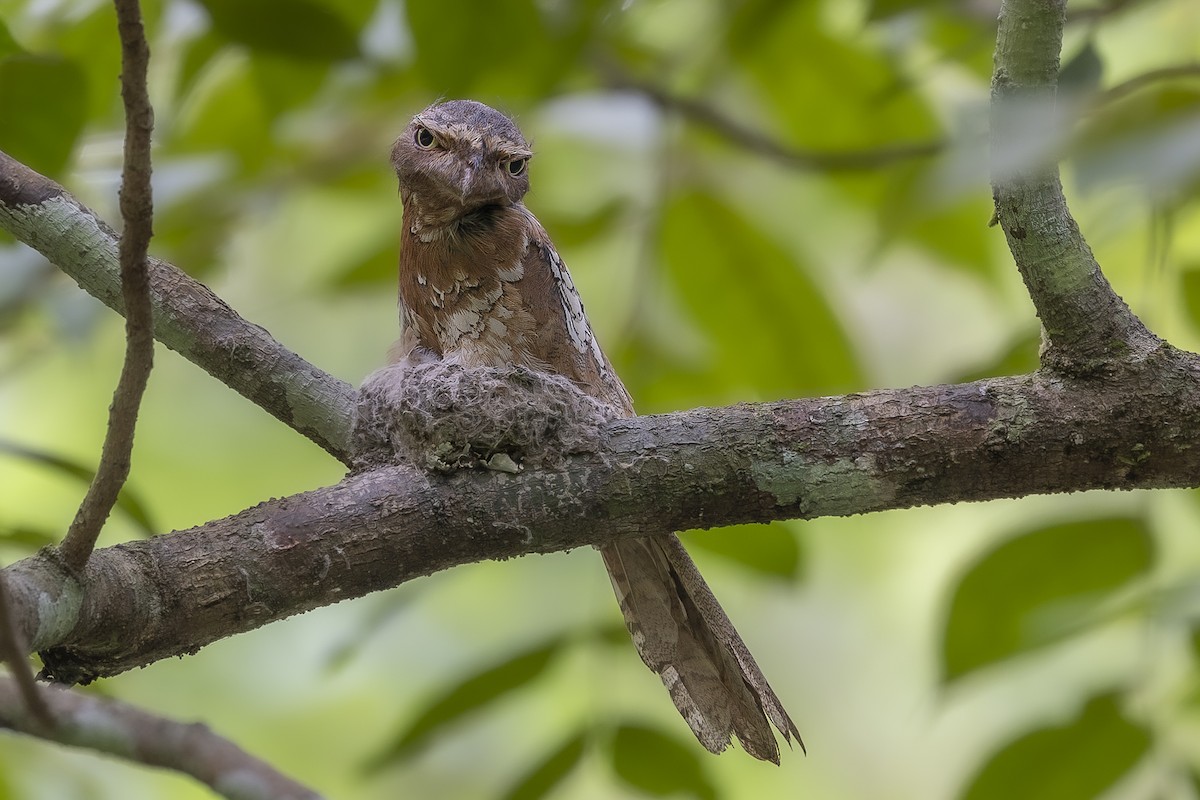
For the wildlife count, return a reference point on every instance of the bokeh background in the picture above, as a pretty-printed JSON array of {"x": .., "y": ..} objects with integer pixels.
[{"x": 758, "y": 199}]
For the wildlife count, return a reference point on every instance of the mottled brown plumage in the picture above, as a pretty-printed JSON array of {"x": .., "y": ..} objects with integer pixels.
[{"x": 481, "y": 284}]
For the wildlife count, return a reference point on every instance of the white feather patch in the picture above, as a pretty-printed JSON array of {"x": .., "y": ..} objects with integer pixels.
[{"x": 577, "y": 322}]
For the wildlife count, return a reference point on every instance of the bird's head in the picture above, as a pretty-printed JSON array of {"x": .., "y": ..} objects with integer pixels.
[{"x": 459, "y": 156}]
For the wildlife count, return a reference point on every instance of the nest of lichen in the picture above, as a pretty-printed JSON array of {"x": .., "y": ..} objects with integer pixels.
[{"x": 444, "y": 417}]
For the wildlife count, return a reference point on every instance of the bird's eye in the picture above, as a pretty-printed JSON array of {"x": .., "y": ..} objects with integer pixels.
[
  {"x": 517, "y": 166},
  {"x": 424, "y": 138}
]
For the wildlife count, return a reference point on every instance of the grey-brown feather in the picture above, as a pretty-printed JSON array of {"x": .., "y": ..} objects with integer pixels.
[{"x": 481, "y": 283}]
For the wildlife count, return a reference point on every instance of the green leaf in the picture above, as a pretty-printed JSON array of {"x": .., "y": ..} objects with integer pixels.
[
  {"x": 225, "y": 112},
  {"x": 29, "y": 539},
  {"x": 870, "y": 103},
  {"x": 197, "y": 52},
  {"x": 549, "y": 772},
  {"x": 299, "y": 29},
  {"x": 956, "y": 230},
  {"x": 91, "y": 42},
  {"x": 1190, "y": 278},
  {"x": 8, "y": 45},
  {"x": 43, "y": 107},
  {"x": 378, "y": 267},
  {"x": 355, "y": 638},
  {"x": 611, "y": 634},
  {"x": 472, "y": 694},
  {"x": 752, "y": 20},
  {"x": 1147, "y": 138},
  {"x": 1021, "y": 358},
  {"x": 763, "y": 315},
  {"x": 192, "y": 230},
  {"x": 1077, "y": 761},
  {"x": 882, "y": 9},
  {"x": 660, "y": 765},
  {"x": 568, "y": 232},
  {"x": 502, "y": 48},
  {"x": 965, "y": 39},
  {"x": 127, "y": 500},
  {"x": 771, "y": 550},
  {"x": 285, "y": 84},
  {"x": 1039, "y": 588},
  {"x": 1083, "y": 74}
]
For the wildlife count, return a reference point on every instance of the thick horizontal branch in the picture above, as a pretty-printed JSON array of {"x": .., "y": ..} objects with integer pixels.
[
  {"x": 1003, "y": 437},
  {"x": 188, "y": 317},
  {"x": 112, "y": 727},
  {"x": 1086, "y": 324}
]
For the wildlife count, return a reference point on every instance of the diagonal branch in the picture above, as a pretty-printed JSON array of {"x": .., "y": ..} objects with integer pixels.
[
  {"x": 137, "y": 213},
  {"x": 835, "y": 456},
  {"x": 188, "y": 317},
  {"x": 756, "y": 141},
  {"x": 109, "y": 726},
  {"x": 1139, "y": 82},
  {"x": 1087, "y": 326}
]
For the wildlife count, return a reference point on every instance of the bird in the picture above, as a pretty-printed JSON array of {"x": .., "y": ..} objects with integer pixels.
[{"x": 482, "y": 285}]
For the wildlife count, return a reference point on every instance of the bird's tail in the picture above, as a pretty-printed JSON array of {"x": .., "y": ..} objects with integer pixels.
[{"x": 683, "y": 634}]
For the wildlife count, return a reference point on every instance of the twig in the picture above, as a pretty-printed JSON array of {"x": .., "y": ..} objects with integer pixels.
[
  {"x": 109, "y": 726},
  {"x": 137, "y": 213},
  {"x": 1145, "y": 79},
  {"x": 1097, "y": 12},
  {"x": 758, "y": 142},
  {"x": 15, "y": 653}
]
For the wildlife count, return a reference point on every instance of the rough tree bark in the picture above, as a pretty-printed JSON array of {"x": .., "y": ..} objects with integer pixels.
[
  {"x": 188, "y": 317},
  {"x": 1112, "y": 407}
]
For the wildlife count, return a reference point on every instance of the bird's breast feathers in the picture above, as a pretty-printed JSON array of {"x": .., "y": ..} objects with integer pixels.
[{"x": 493, "y": 291}]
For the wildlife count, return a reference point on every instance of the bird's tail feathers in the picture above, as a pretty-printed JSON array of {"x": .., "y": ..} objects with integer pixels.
[{"x": 683, "y": 634}]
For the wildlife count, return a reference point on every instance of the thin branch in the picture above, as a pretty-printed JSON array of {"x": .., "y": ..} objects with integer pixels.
[
  {"x": 137, "y": 214},
  {"x": 109, "y": 726},
  {"x": 1139, "y": 82},
  {"x": 1094, "y": 13},
  {"x": 1003, "y": 437},
  {"x": 1087, "y": 326},
  {"x": 15, "y": 653},
  {"x": 756, "y": 141},
  {"x": 188, "y": 317}
]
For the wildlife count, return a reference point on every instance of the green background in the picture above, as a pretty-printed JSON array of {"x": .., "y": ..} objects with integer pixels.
[{"x": 1036, "y": 648}]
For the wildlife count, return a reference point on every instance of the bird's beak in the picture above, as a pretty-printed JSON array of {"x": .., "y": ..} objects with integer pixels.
[{"x": 466, "y": 183}]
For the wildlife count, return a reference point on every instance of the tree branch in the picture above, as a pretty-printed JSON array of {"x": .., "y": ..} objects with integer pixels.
[
  {"x": 1093, "y": 13},
  {"x": 756, "y": 141},
  {"x": 112, "y": 727},
  {"x": 837, "y": 456},
  {"x": 1087, "y": 326},
  {"x": 1139, "y": 82},
  {"x": 188, "y": 317},
  {"x": 137, "y": 216},
  {"x": 15, "y": 653}
]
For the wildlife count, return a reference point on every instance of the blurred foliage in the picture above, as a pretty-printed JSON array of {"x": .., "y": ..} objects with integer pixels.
[
  {"x": 1077, "y": 761},
  {"x": 716, "y": 271},
  {"x": 127, "y": 501},
  {"x": 469, "y": 695},
  {"x": 1018, "y": 596},
  {"x": 660, "y": 765},
  {"x": 548, "y": 773}
]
